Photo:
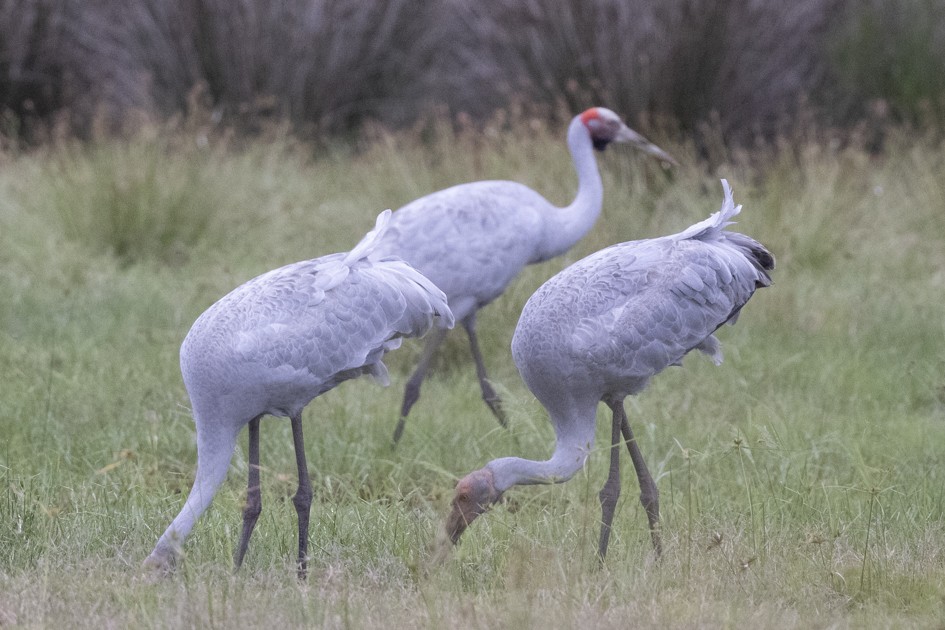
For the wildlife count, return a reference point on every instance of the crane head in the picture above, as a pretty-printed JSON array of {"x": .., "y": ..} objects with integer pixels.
[
  {"x": 605, "y": 127},
  {"x": 475, "y": 493}
]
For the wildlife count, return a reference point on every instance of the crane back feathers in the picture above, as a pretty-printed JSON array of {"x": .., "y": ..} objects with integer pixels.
[
  {"x": 623, "y": 314},
  {"x": 279, "y": 340}
]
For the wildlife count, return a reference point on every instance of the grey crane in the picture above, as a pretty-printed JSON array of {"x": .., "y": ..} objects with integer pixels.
[
  {"x": 599, "y": 331},
  {"x": 275, "y": 343},
  {"x": 473, "y": 239}
]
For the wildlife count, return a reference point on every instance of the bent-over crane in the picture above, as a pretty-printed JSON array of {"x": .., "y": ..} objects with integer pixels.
[
  {"x": 272, "y": 345},
  {"x": 599, "y": 331}
]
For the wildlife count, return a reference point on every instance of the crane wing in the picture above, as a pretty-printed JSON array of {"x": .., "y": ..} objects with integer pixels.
[
  {"x": 470, "y": 240},
  {"x": 294, "y": 321},
  {"x": 297, "y": 331},
  {"x": 649, "y": 303}
]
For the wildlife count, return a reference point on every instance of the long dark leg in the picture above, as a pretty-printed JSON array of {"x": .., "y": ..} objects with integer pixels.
[
  {"x": 488, "y": 394},
  {"x": 253, "y": 493},
  {"x": 303, "y": 496},
  {"x": 649, "y": 494},
  {"x": 611, "y": 490},
  {"x": 412, "y": 390}
]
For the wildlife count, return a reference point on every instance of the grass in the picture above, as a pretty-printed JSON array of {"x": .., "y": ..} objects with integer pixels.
[{"x": 801, "y": 481}]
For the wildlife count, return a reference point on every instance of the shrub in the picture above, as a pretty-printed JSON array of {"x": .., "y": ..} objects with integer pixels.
[
  {"x": 889, "y": 59},
  {"x": 132, "y": 198},
  {"x": 680, "y": 61},
  {"x": 39, "y": 69},
  {"x": 748, "y": 66},
  {"x": 327, "y": 64}
]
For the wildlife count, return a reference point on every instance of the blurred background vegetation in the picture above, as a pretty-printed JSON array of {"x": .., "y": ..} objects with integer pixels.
[{"x": 739, "y": 70}]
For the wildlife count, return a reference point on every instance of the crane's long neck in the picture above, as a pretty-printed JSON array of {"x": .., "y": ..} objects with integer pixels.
[
  {"x": 575, "y": 439},
  {"x": 566, "y": 226},
  {"x": 215, "y": 446}
]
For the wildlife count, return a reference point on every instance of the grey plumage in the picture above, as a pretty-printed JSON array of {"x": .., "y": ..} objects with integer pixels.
[
  {"x": 600, "y": 330},
  {"x": 473, "y": 239},
  {"x": 625, "y": 313},
  {"x": 276, "y": 342}
]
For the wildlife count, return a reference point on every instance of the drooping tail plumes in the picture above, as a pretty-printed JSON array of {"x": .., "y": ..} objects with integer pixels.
[
  {"x": 419, "y": 299},
  {"x": 713, "y": 229},
  {"x": 423, "y": 298},
  {"x": 761, "y": 258}
]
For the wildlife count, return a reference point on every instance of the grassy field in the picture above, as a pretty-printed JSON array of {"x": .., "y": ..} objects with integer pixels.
[{"x": 802, "y": 481}]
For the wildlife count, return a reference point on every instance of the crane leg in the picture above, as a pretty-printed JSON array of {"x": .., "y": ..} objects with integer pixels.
[
  {"x": 412, "y": 390},
  {"x": 303, "y": 496},
  {"x": 488, "y": 394},
  {"x": 611, "y": 490},
  {"x": 253, "y": 493},
  {"x": 649, "y": 494}
]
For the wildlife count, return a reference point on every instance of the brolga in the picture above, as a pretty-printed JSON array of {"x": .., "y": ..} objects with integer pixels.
[
  {"x": 599, "y": 331},
  {"x": 473, "y": 239},
  {"x": 272, "y": 345}
]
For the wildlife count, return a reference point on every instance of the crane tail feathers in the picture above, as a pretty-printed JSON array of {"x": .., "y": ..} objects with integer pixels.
[
  {"x": 424, "y": 292},
  {"x": 370, "y": 241},
  {"x": 760, "y": 257},
  {"x": 728, "y": 209},
  {"x": 712, "y": 227},
  {"x": 423, "y": 298}
]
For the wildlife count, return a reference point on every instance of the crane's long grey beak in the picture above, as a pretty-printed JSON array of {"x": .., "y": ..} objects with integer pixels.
[{"x": 626, "y": 134}]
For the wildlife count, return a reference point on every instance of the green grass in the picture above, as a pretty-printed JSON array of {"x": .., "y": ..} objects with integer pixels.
[{"x": 801, "y": 481}]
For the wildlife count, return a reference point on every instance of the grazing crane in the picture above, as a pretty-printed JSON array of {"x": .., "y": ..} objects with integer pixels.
[
  {"x": 599, "y": 331},
  {"x": 272, "y": 345},
  {"x": 472, "y": 240}
]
